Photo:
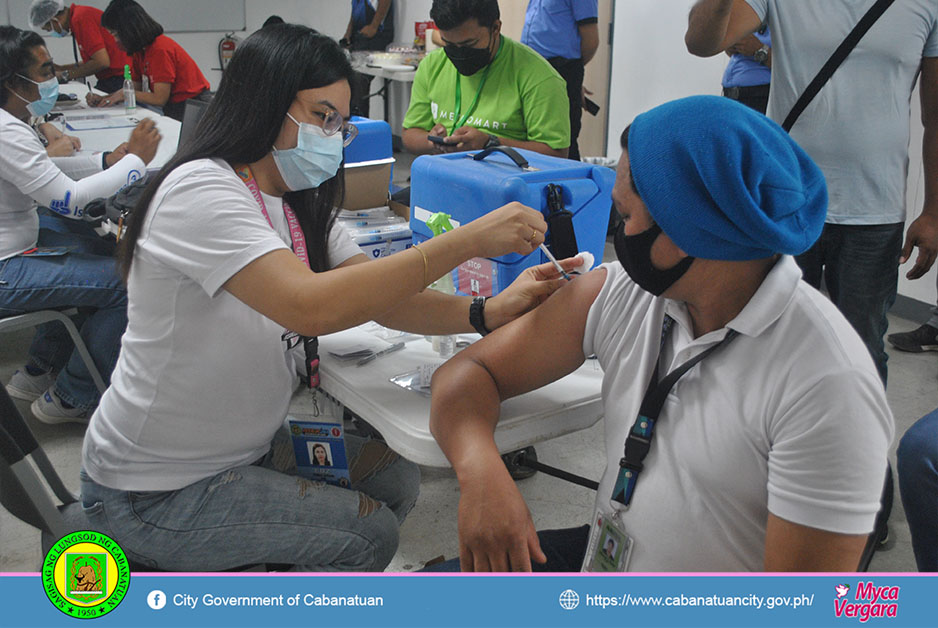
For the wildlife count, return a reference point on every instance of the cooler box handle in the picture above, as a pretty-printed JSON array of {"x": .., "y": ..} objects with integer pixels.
[{"x": 514, "y": 155}]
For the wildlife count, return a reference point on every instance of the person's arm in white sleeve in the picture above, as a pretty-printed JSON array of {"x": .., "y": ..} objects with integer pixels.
[
  {"x": 68, "y": 197},
  {"x": 80, "y": 165}
]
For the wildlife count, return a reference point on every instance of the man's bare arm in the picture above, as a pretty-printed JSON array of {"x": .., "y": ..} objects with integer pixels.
[
  {"x": 495, "y": 530},
  {"x": 715, "y": 25}
]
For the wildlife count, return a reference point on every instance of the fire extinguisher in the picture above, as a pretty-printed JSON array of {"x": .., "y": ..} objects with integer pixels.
[{"x": 226, "y": 49}]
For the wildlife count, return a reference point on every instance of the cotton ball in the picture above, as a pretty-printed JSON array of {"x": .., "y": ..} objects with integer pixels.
[{"x": 588, "y": 260}]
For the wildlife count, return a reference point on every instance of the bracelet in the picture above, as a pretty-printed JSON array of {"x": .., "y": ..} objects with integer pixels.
[
  {"x": 104, "y": 156},
  {"x": 426, "y": 267}
]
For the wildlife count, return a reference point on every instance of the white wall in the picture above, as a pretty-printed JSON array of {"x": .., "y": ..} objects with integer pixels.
[
  {"x": 327, "y": 16},
  {"x": 651, "y": 65}
]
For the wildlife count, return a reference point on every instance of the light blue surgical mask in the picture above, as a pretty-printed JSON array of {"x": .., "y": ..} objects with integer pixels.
[
  {"x": 315, "y": 159},
  {"x": 59, "y": 33},
  {"x": 48, "y": 93}
]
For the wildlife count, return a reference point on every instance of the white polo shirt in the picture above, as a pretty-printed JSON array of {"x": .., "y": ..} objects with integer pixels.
[{"x": 789, "y": 418}]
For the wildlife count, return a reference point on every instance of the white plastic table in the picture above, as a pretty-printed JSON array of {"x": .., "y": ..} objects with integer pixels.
[
  {"x": 108, "y": 139},
  {"x": 403, "y": 416}
]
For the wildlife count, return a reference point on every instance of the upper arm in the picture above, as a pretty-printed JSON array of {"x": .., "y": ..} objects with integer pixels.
[
  {"x": 742, "y": 21},
  {"x": 161, "y": 93},
  {"x": 543, "y": 345},
  {"x": 928, "y": 91},
  {"x": 418, "y": 113},
  {"x": 589, "y": 35},
  {"x": 546, "y": 112},
  {"x": 793, "y": 547},
  {"x": 101, "y": 58}
]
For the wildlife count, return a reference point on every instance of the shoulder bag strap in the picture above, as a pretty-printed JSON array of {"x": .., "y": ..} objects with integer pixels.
[{"x": 848, "y": 44}]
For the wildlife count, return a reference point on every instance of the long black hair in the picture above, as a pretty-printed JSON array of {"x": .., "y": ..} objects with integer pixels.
[
  {"x": 134, "y": 27},
  {"x": 244, "y": 119},
  {"x": 16, "y": 56}
]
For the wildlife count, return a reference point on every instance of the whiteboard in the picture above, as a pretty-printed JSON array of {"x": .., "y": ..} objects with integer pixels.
[{"x": 176, "y": 16}]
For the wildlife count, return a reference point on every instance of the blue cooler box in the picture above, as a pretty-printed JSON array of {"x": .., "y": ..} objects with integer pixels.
[
  {"x": 372, "y": 142},
  {"x": 466, "y": 189}
]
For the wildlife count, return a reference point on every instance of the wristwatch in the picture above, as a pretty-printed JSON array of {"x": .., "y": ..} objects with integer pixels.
[
  {"x": 65, "y": 75},
  {"x": 477, "y": 315},
  {"x": 762, "y": 54},
  {"x": 492, "y": 141}
]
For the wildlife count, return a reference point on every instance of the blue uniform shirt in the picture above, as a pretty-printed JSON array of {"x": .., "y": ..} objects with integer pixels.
[
  {"x": 743, "y": 71},
  {"x": 551, "y": 26},
  {"x": 362, "y": 13}
]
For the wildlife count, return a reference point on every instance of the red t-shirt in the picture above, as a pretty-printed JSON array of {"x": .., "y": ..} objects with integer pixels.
[
  {"x": 90, "y": 36},
  {"x": 165, "y": 61}
]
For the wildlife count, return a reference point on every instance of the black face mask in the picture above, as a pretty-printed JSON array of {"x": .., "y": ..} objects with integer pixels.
[
  {"x": 634, "y": 253},
  {"x": 467, "y": 60}
]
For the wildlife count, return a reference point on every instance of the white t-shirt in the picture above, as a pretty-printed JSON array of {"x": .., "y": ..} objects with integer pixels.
[
  {"x": 28, "y": 175},
  {"x": 857, "y": 127},
  {"x": 790, "y": 418},
  {"x": 203, "y": 381}
]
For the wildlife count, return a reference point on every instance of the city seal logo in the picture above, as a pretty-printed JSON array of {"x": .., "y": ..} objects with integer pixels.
[{"x": 86, "y": 574}]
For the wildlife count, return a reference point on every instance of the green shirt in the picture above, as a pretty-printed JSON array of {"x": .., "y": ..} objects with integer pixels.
[{"x": 523, "y": 98}]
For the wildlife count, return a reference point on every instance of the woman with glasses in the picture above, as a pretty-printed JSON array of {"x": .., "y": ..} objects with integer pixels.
[
  {"x": 185, "y": 463},
  {"x": 168, "y": 76}
]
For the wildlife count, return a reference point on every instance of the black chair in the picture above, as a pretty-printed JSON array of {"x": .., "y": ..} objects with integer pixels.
[{"x": 191, "y": 115}]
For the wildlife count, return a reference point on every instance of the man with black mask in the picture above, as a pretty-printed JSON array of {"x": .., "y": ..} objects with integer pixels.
[
  {"x": 746, "y": 426},
  {"x": 484, "y": 89}
]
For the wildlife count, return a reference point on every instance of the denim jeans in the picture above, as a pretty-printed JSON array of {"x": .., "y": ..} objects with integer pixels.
[
  {"x": 86, "y": 277},
  {"x": 564, "y": 548},
  {"x": 918, "y": 486},
  {"x": 265, "y": 513},
  {"x": 860, "y": 264}
]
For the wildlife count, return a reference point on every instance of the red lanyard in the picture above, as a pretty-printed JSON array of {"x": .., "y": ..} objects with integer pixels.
[{"x": 297, "y": 239}]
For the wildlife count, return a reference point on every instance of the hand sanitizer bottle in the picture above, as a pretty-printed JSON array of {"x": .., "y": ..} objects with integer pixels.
[{"x": 130, "y": 95}]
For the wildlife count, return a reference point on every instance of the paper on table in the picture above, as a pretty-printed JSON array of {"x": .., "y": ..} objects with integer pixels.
[{"x": 105, "y": 122}]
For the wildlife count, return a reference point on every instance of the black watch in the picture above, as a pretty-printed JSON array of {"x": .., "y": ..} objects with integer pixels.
[
  {"x": 477, "y": 315},
  {"x": 493, "y": 141},
  {"x": 762, "y": 54}
]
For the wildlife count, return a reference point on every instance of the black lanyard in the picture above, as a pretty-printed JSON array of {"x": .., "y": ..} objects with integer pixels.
[{"x": 640, "y": 436}]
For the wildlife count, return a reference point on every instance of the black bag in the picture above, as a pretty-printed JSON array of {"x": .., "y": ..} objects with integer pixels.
[{"x": 118, "y": 207}]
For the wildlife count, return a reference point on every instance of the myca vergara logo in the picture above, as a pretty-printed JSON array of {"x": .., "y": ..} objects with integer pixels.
[
  {"x": 86, "y": 574},
  {"x": 870, "y": 601}
]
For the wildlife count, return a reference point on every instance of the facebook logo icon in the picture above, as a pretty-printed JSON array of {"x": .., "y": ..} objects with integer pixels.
[{"x": 156, "y": 599}]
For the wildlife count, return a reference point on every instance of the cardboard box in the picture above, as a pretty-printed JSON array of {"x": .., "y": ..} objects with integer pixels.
[{"x": 366, "y": 183}]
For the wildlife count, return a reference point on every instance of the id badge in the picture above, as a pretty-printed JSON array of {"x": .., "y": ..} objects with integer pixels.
[
  {"x": 610, "y": 546},
  {"x": 319, "y": 448}
]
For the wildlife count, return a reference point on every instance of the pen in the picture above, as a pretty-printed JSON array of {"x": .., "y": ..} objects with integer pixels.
[
  {"x": 365, "y": 360},
  {"x": 553, "y": 260}
]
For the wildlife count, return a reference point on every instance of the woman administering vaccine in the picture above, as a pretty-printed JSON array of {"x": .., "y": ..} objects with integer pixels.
[
  {"x": 64, "y": 266},
  {"x": 178, "y": 462}
]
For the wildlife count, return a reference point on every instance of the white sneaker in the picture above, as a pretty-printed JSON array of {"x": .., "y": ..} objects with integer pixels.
[
  {"x": 29, "y": 387},
  {"x": 49, "y": 409}
]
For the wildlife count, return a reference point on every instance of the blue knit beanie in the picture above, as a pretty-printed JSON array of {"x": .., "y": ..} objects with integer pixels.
[{"x": 725, "y": 182}]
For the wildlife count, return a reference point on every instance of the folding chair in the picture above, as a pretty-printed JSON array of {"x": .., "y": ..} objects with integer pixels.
[{"x": 32, "y": 319}]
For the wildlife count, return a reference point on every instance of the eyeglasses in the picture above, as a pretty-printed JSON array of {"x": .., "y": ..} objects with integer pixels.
[{"x": 333, "y": 122}]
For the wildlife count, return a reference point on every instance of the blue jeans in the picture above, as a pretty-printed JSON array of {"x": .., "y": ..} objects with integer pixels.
[
  {"x": 860, "y": 264},
  {"x": 918, "y": 485},
  {"x": 564, "y": 548},
  {"x": 86, "y": 277},
  {"x": 265, "y": 513}
]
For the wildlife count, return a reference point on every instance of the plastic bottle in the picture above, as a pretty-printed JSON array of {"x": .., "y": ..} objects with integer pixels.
[
  {"x": 444, "y": 345},
  {"x": 130, "y": 95}
]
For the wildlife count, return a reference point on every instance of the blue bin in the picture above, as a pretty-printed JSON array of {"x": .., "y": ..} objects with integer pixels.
[
  {"x": 372, "y": 142},
  {"x": 466, "y": 188}
]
